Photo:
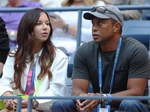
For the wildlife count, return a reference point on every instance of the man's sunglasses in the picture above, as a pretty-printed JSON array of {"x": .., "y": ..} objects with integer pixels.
[{"x": 103, "y": 10}]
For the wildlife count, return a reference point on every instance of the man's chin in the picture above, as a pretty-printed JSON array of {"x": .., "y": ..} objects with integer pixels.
[{"x": 96, "y": 41}]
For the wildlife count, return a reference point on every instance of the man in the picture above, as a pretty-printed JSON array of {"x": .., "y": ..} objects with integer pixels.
[
  {"x": 115, "y": 65},
  {"x": 4, "y": 45}
]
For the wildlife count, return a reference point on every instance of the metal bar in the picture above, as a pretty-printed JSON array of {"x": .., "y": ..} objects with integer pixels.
[
  {"x": 121, "y": 7},
  {"x": 86, "y": 97},
  {"x": 30, "y": 104},
  {"x": 79, "y": 28},
  {"x": 93, "y": 97}
]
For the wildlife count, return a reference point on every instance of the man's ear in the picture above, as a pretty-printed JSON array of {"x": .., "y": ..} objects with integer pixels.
[{"x": 117, "y": 26}]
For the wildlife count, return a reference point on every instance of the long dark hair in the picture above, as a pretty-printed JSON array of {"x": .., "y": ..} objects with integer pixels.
[{"x": 24, "y": 53}]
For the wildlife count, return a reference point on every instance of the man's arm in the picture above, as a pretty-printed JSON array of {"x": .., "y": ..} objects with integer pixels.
[
  {"x": 135, "y": 87},
  {"x": 79, "y": 86}
]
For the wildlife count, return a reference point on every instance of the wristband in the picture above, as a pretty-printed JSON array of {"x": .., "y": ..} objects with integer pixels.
[
  {"x": 65, "y": 28},
  {"x": 35, "y": 104}
]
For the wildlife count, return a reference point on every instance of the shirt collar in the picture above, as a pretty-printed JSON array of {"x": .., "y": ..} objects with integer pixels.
[{"x": 37, "y": 55}]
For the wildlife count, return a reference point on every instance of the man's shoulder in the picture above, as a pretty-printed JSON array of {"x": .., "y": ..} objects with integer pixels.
[
  {"x": 133, "y": 45},
  {"x": 88, "y": 49},
  {"x": 89, "y": 45},
  {"x": 129, "y": 42}
]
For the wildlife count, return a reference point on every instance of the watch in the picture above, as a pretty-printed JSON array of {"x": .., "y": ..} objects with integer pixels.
[
  {"x": 65, "y": 28},
  {"x": 103, "y": 100},
  {"x": 35, "y": 104},
  {"x": 107, "y": 101}
]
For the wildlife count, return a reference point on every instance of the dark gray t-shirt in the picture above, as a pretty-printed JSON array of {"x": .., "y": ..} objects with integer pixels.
[{"x": 133, "y": 62}]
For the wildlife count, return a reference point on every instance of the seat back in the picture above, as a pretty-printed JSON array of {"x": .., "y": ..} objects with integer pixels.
[
  {"x": 138, "y": 29},
  {"x": 69, "y": 73}
]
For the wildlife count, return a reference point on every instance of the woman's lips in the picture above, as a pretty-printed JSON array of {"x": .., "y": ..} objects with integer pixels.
[{"x": 44, "y": 34}]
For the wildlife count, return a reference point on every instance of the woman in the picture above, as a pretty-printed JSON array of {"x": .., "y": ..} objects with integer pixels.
[
  {"x": 36, "y": 68},
  {"x": 66, "y": 22}
]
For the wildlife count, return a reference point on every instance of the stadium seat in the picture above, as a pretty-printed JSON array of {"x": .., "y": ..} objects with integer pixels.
[
  {"x": 63, "y": 49},
  {"x": 146, "y": 14},
  {"x": 138, "y": 29},
  {"x": 69, "y": 74}
]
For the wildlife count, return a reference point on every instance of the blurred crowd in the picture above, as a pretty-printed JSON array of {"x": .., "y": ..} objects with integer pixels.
[{"x": 64, "y": 23}]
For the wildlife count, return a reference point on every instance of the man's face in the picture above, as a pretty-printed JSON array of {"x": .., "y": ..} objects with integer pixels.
[{"x": 102, "y": 29}]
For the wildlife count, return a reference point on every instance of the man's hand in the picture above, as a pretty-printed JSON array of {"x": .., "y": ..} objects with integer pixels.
[{"x": 87, "y": 105}]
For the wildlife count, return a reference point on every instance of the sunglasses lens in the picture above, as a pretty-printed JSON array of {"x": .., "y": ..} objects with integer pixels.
[
  {"x": 93, "y": 9},
  {"x": 101, "y": 9},
  {"x": 98, "y": 9}
]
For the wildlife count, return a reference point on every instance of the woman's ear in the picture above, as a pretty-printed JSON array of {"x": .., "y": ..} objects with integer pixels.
[{"x": 32, "y": 34}]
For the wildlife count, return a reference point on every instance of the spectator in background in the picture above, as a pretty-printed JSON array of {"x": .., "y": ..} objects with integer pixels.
[
  {"x": 3, "y": 2},
  {"x": 49, "y": 3},
  {"x": 127, "y": 14},
  {"x": 4, "y": 45},
  {"x": 12, "y": 19},
  {"x": 65, "y": 25},
  {"x": 36, "y": 67}
]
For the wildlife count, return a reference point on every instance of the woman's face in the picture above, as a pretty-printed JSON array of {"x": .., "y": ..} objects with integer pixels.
[{"x": 42, "y": 29}]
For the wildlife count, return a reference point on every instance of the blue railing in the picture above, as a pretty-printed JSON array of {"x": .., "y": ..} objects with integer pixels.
[
  {"x": 87, "y": 97},
  {"x": 80, "y": 10},
  {"x": 19, "y": 99}
]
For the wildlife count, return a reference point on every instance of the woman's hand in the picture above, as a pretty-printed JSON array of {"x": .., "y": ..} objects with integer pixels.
[
  {"x": 24, "y": 103},
  {"x": 9, "y": 103}
]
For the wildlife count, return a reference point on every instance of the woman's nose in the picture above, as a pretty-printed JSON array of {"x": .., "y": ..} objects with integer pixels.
[{"x": 44, "y": 25}]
